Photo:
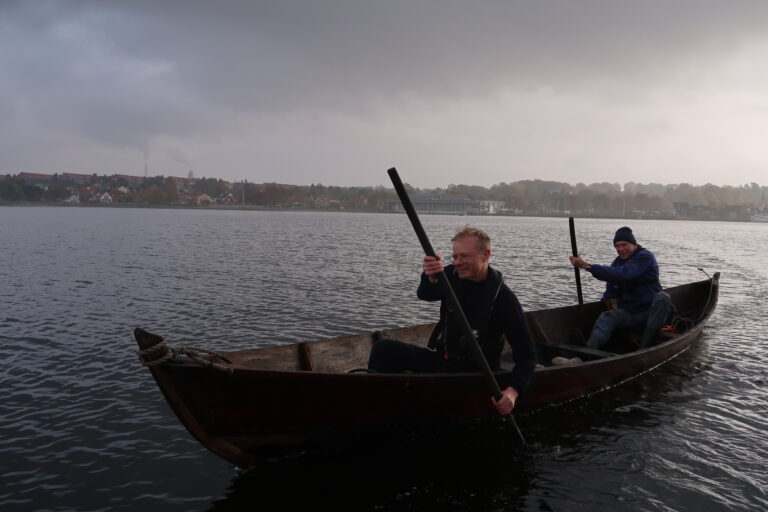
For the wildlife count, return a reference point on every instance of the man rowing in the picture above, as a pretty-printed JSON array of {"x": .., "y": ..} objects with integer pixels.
[
  {"x": 491, "y": 308},
  {"x": 632, "y": 283}
]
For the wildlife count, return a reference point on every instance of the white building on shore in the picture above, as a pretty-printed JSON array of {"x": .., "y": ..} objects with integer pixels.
[{"x": 449, "y": 204}]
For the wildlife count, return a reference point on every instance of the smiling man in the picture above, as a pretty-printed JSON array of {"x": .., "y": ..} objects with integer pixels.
[
  {"x": 632, "y": 283},
  {"x": 491, "y": 308}
]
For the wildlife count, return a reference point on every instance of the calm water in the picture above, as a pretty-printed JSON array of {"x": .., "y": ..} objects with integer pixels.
[{"x": 83, "y": 426}]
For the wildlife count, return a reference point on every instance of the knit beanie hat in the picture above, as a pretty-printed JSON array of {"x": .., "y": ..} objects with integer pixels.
[{"x": 624, "y": 234}]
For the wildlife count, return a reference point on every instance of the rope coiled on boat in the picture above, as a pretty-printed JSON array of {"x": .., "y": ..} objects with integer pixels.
[
  {"x": 681, "y": 323},
  {"x": 195, "y": 354}
]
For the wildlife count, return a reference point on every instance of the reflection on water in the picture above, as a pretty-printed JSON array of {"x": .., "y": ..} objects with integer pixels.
[
  {"x": 83, "y": 426},
  {"x": 469, "y": 473}
]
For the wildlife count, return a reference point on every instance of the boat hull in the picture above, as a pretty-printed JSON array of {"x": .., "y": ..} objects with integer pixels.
[{"x": 245, "y": 414}]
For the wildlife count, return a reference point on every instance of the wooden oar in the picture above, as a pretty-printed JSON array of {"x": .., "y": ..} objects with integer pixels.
[
  {"x": 575, "y": 253},
  {"x": 450, "y": 296}
]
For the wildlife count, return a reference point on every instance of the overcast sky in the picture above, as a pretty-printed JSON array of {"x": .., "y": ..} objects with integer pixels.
[{"x": 336, "y": 92}]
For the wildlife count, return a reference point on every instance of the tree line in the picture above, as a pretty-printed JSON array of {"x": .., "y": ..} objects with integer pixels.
[{"x": 522, "y": 197}]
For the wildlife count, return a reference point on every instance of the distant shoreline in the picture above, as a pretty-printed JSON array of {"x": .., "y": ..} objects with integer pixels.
[{"x": 273, "y": 209}]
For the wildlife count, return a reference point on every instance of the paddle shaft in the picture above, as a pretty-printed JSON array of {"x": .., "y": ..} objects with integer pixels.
[
  {"x": 575, "y": 253},
  {"x": 450, "y": 297}
]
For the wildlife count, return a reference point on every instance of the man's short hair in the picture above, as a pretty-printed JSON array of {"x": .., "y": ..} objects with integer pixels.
[{"x": 483, "y": 240}]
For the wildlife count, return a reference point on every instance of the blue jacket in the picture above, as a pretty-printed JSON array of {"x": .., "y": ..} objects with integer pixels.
[{"x": 633, "y": 281}]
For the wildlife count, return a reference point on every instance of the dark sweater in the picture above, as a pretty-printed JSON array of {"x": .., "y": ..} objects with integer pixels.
[{"x": 492, "y": 311}]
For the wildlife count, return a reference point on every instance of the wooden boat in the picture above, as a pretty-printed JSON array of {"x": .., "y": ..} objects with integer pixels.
[{"x": 251, "y": 404}]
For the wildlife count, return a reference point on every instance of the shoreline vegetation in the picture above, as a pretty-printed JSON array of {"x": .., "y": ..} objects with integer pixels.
[{"x": 527, "y": 198}]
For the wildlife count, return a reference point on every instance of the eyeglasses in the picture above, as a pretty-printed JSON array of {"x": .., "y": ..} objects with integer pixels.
[{"x": 465, "y": 256}]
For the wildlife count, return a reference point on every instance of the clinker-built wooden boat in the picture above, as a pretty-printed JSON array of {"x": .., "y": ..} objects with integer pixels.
[{"x": 251, "y": 404}]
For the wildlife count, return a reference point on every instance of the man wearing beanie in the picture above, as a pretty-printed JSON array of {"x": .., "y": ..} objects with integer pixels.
[{"x": 632, "y": 283}]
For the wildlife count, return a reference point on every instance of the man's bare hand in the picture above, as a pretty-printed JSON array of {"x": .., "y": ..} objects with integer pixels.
[
  {"x": 432, "y": 266},
  {"x": 577, "y": 262},
  {"x": 506, "y": 403}
]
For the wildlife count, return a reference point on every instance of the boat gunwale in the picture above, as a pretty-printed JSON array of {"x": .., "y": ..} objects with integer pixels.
[
  {"x": 457, "y": 375},
  {"x": 695, "y": 330}
]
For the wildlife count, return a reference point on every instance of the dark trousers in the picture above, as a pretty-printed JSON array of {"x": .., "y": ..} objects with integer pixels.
[
  {"x": 393, "y": 356},
  {"x": 652, "y": 318}
]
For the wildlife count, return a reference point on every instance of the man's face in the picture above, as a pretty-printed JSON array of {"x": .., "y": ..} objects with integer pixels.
[
  {"x": 624, "y": 249},
  {"x": 470, "y": 261}
]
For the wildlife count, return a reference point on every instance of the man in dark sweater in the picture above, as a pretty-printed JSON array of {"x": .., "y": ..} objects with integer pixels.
[
  {"x": 491, "y": 308},
  {"x": 632, "y": 284}
]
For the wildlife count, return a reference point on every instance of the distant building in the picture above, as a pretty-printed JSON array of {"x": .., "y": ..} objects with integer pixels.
[
  {"x": 736, "y": 212},
  {"x": 37, "y": 179},
  {"x": 448, "y": 204},
  {"x": 133, "y": 181},
  {"x": 492, "y": 207},
  {"x": 105, "y": 198},
  {"x": 681, "y": 208},
  {"x": 79, "y": 179},
  {"x": 73, "y": 199},
  {"x": 183, "y": 184}
]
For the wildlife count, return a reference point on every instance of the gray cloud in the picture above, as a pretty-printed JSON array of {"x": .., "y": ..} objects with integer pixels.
[{"x": 249, "y": 86}]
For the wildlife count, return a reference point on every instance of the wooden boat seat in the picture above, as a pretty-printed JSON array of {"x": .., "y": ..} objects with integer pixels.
[{"x": 585, "y": 350}]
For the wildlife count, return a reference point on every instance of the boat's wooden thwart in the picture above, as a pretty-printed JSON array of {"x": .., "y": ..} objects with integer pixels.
[{"x": 252, "y": 403}]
